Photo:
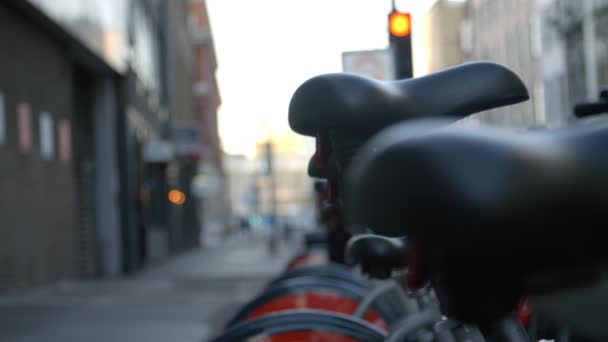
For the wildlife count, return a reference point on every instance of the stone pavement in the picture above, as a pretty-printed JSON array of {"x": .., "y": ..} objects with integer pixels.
[{"x": 187, "y": 298}]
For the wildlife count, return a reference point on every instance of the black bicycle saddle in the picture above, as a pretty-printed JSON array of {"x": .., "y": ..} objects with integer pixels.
[
  {"x": 488, "y": 209},
  {"x": 377, "y": 255},
  {"x": 356, "y": 103}
]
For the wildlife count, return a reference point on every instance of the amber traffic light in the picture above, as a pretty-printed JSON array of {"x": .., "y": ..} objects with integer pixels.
[
  {"x": 400, "y": 37},
  {"x": 176, "y": 197},
  {"x": 399, "y": 24}
]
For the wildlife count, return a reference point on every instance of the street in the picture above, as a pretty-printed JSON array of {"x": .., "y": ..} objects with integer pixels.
[{"x": 188, "y": 298}]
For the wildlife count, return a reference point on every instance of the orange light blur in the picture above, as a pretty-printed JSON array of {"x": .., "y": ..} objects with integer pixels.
[
  {"x": 177, "y": 197},
  {"x": 400, "y": 24}
]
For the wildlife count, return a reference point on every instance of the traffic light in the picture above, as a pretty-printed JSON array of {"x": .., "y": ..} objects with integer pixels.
[{"x": 400, "y": 37}]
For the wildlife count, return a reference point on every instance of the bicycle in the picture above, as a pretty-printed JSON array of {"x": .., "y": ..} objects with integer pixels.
[
  {"x": 347, "y": 125},
  {"x": 464, "y": 230},
  {"x": 342, "y": 111}
]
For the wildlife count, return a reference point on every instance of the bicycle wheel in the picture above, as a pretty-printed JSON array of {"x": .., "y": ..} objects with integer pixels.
[
  {"x": 328, "y": 271},
  {"x": 301, "y": 326},
  {"x": 310, "y": 294},
  {"x": 314, "y": 256}
]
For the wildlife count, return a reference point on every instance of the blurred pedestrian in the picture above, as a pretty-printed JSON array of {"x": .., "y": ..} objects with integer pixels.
[
  {"x": 273, "y": 243},
  {"x": 287, "y": 232},
  {"x": 245, "y": 227}
]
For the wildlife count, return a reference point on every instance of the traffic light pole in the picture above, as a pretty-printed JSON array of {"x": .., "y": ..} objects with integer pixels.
[{"x": 273, "y": 198}]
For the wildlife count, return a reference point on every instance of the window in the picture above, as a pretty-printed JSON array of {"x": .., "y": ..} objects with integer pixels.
[
  {"x": 145, "y": 49},
  {"x": 47, "y": 137},
  {"x": 24, "y": 124},
  {"x": 65, "y": 140},
  {"x": 101, "y": 25}
]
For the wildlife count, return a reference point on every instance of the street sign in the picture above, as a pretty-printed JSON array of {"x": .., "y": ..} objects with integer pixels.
[
  {"x": 187, "y": 140},
  {"x": 377, "y": 64},
  {"x": 158, "y": 151}
]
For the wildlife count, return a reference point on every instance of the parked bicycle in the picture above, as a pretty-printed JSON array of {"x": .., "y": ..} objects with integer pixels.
[
  {"x": 343, "y": 111},
  {"x": 493, "y": 215}
]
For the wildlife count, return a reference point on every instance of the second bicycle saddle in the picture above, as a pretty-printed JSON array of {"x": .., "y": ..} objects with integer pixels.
[{"x": 356, "y": 103}]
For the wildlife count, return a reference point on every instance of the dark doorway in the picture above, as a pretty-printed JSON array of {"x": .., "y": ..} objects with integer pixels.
[{"x": 84, "y": 168}]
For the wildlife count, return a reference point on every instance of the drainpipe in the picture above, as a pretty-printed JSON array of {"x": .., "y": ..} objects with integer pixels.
[{"x": 591, "y": 81}]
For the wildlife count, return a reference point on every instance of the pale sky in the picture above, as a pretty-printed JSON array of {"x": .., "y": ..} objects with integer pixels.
[{"x": 267, "y": 48}]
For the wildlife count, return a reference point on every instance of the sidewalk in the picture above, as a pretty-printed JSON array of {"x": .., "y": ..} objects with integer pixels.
[{"x": 186, "y": 299}]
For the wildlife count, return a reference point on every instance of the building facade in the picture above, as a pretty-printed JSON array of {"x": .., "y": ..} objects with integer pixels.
[
  {"x": 576, "y": 67},
  {"x": 58, "y": 152},
  {"x": 87, "y": 138},
  {"x": 443, "y": 35},
  {"x": 286, "y": 191},
  {"x": 558, "y": 47},
  {"x": 242, "y": 174},
  {"x": 213, "y": 201},
  {"x": 508, "y": 32},
  {"x": 173, "y": 227}
]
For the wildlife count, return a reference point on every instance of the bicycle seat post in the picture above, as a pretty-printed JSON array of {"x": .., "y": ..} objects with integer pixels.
[
  {"x": 508, "y": 329},
  {"x": 425, "y": 297}
]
